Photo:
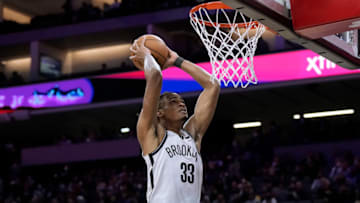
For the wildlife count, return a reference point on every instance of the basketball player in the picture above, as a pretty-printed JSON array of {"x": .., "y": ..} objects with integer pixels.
[{"x": 169, "y": 139}]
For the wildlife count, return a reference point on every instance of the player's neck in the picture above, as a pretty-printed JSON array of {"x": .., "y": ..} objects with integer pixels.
[{"x": 173, "y": 126}]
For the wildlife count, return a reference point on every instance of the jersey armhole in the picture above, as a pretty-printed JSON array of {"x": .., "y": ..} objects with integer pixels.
[
  {"x": 189, "y": 134},
  {"x": 191, "y": 137},
  {"x": 161, "y": 144}
]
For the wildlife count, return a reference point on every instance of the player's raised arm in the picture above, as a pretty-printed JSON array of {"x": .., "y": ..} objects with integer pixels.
[
  {"x": 206, "y": 103},
  {"x": 143, "y": 60}
]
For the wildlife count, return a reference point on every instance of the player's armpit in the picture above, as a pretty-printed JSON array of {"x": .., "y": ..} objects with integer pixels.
[{"x": 147, "y": 139}]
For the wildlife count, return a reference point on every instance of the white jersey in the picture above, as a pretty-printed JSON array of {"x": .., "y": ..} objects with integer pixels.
[{"x": 174, "y": 170}]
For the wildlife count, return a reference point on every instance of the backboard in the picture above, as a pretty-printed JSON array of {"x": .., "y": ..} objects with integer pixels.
[{"x": 322, "y": 32}]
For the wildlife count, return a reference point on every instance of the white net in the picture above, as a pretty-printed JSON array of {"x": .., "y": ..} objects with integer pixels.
[{"x": 231, "y": 50}]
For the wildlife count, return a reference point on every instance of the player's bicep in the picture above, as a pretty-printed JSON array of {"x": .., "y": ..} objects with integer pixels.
[
  {"x": 205, "y": 108},
  {"x": 146, "y": 137}
]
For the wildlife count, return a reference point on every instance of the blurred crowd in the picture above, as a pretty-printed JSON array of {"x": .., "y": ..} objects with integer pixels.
[
  {"x": 249, "y": 173},
  {"x": 246, "y": 177},
  {"x": 195, "y": 52},
  {"x": 89, "y": 12},
  {"x": 15, "y": 79},
  {"x": 92, "y": 135}
]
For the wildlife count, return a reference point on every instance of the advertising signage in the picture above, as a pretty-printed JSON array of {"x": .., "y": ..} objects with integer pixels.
[
  {"x": 270, "y": 68},
  {"x": 47, "y": 95}
]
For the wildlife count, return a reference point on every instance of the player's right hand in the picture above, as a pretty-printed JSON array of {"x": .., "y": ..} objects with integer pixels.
[{"x": 138, "y": 53}]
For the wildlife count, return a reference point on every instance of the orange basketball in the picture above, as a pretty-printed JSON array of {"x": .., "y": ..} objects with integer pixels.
[{"x": 157, "y": 46}]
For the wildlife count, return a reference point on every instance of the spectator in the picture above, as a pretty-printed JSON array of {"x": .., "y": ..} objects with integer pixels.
[
  {"x": 115, "y": 5},
  {"x": 3, "y": 79},
  {"x": 103, "y": 68},
  {"x": 68, "y": 11},
  {"x": 16, "y": 78},
  {"x": 65, "y": 140}
]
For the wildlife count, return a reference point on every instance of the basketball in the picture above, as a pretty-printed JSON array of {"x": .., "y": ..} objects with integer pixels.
[{"x": 157, "y": 46}]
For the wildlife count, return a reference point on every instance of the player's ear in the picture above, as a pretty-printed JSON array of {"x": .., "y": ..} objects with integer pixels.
[{"x": 160, "y": 113}]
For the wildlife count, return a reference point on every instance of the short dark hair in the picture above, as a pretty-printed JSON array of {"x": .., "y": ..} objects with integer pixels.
[{"x": 163, "y": 96}]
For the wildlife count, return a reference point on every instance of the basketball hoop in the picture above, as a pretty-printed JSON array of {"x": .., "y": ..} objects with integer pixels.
[{"x": 230, "y": 45}]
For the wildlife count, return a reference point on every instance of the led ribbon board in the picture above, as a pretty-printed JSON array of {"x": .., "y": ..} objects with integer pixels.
[
  {"x": 52, "y": 94},
  {"x": 270, "y": 68}
]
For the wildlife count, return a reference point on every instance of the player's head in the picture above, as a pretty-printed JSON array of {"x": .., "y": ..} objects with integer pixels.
[{"x": 172, "y": 107}]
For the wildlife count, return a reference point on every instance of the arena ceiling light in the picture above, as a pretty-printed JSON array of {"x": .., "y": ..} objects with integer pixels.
[
  {"x": 329, "y": 113},
  {"x": 125, "y": 130},
  {"x": 326, "y": 113},
  {"x": 15, "y": 15},
  {"x": 296, "y": 116},
  {"x": 247, "y": 125}
]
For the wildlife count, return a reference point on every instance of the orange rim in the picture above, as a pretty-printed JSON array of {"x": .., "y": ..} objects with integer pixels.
[{"x": 214, "y": 6}]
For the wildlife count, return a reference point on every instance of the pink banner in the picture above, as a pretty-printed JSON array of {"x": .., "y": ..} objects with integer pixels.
[{"x": 294, "y": 65}]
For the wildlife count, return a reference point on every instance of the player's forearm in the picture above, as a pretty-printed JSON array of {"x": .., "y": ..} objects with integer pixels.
[
  {"x": 152, "y": 69},
  {"x": 199, "y": 74}
]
